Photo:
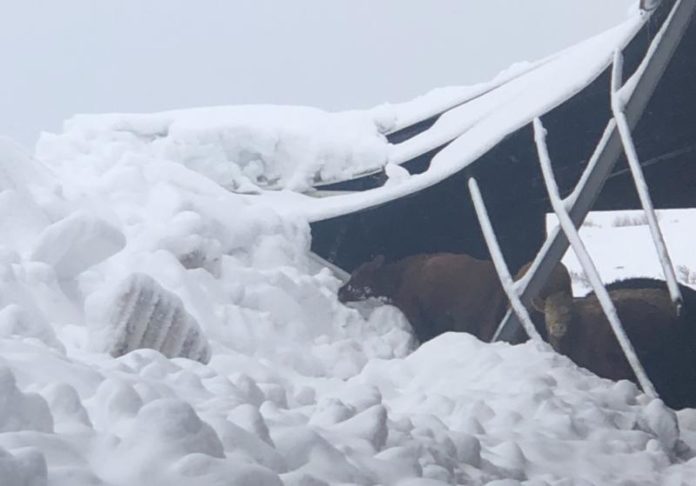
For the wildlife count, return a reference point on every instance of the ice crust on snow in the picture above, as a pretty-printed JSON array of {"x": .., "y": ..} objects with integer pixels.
[{"x": 127, "y": 240}]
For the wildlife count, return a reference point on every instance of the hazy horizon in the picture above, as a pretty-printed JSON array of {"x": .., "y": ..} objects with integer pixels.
[{"x": 80, "y": 56}]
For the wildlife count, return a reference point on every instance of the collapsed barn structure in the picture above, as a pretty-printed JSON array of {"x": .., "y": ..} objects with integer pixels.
[{"x": 489, "y": 136}]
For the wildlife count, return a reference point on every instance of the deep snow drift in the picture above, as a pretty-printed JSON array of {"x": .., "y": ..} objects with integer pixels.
[
  {"x": 271, "y": 380},
  {"x": 123, "y": 233}
]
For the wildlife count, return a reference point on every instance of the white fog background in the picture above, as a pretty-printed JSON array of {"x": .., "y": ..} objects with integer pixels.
[{"x": 86, "y": 56}]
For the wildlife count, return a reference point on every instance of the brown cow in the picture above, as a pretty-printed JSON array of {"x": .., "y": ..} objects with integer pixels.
[
  {"x": 437, "y": 293},
  {"x": 665, "y": 343}
]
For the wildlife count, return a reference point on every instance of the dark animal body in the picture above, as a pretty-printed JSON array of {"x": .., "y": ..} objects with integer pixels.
[
  {"x": 454, "y": 292},
  {"x": 664, "y": 341},
  {"x": 437, "y": 293}
]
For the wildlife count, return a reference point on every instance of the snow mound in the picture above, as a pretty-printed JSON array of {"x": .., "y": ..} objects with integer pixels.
[
  {"x": 242, "y": 148},
  {"x": 139, "y": 313},
  {"x": 20, "y": 411},
  {"x": 156, "y": 328},
  {"x": 21, "y": 217},
  {"x": 76, "y": 243},
  {"x": 25, "y": 467}
]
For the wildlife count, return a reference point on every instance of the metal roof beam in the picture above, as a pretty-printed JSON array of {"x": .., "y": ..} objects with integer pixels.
[{"x": 605, "y": 156}]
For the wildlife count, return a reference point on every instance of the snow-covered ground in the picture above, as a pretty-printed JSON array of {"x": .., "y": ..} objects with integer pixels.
[
  {"x": 139, "y": 231},
  {"x": 620, "y": 245},
  {"x": 109, "y": 244}
]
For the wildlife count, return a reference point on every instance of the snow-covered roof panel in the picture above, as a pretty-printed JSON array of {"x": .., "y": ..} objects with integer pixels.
[{"x": 478, "y": 125}]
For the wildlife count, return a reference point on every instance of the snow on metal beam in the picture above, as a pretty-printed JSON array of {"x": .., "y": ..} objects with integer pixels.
[
  {"x": 606, "y": 154},
  {"x": 338, "y": 272},
  {"x": 566, "y": 223},
  {"x": 499, "y": 262},
  {"x": 617, "y": 108}
]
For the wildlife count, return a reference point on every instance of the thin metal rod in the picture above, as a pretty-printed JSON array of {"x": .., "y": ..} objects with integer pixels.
[
  {"x": 499, "y": 262},
  {"x": 617, "y": 108},
  {"x": 606, "y": 154},
  {"x": 586, "y": 261}
]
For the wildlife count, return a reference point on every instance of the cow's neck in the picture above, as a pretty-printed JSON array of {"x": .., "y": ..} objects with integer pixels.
[{"x": 389, "y": 279}]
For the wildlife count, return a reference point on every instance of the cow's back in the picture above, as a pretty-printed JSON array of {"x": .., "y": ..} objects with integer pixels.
[{"x": 454, "y": 292}]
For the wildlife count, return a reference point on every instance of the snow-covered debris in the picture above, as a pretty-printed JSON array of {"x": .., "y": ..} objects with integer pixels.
[
  {"x": 243, "y": 148},
  {"x": 487, "y": 114},
  {"x": 139, "y": 313}
]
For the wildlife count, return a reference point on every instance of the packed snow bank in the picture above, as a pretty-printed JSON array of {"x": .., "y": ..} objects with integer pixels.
[
  {"x": 298, "y": 389},
  {"x": 242, "y": 148}
]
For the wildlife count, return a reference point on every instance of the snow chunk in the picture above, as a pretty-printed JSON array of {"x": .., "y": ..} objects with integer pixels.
[
  {"x": 24, "y": 467},
  {"x": 77, "y": 242},
  {"x": 168, "y": 441},
  {"x": 20, "y": 171},
  {"x": 244, "y": 443},
  {"x": 21, "y": 219},
  {"x": 15, "y": 321},
  {"x": 66, "y": 406},
  {"x": 370, "y": 425},
  {"x": 139, "y": 313},
  {"x": 114, "y": 402},
  {"x": 308, "y": 452},
  {"x": 395, "y": 173},
  {"x": 206, "y": 470},
  {"x": 169, "y": 428},
  {"x": 249, "y": 418},
  {"x": 20, "y": 411},
  {"x": 663, "y": 422},
  {"x": 23, "y": 181}
]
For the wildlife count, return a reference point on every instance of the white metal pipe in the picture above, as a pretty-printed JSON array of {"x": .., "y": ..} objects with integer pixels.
[
  {"x": 499, "y": 262},
  {"x": 643, "y": 84},
  {"x": 617, "y": 107},
  {"x": 586, "y": 261},
  {"x": 338, "y": 272}
]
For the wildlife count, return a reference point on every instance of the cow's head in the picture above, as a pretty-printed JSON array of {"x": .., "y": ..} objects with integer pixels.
[{"x": 363, "y": 283}]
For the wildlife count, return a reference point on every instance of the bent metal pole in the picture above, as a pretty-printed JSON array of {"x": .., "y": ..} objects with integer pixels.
[{"x": 585, "y": 260}]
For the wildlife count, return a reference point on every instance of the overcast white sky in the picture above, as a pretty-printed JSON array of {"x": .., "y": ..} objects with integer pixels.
[{"x": 83, "y": 56}]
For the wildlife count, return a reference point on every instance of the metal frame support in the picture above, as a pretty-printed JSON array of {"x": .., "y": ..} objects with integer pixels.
[
  {"x": 586, "y": 261},
  {"x": 641, "y": 185},
  {"x": 605, "y": 156},
  {"x": 499, "y": 262}
]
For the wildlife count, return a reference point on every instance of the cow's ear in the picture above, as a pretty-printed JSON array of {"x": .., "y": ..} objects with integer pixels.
[{"x": 539, "y": 304}]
